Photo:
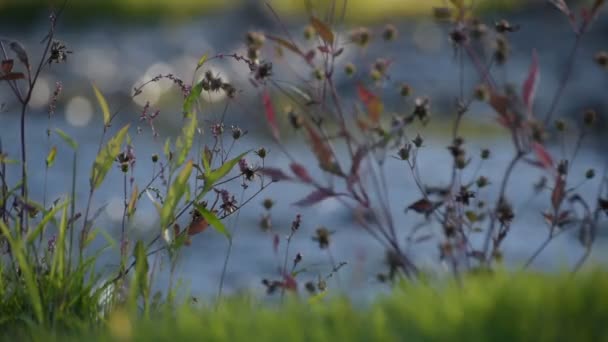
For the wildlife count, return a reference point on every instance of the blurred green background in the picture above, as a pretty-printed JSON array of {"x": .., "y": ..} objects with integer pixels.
[{"x": 358, "y": 10}]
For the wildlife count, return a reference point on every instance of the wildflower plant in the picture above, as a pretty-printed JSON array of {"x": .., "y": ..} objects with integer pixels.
[{"x": 48, "y": 267}]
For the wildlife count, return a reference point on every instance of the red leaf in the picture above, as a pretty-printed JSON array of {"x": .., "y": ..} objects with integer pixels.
[
  {"x": 323, "y": 30},
  {"x": 372, "y": 102},
  {"x": 309, "y": 56},
  {"x": 322, "y": 150},
  {"x": 544, "y": 158},
  {"x": 423, "y": 206},
  {"x": 315, "y": 197},
  {"x": 300, "y": 172},
  {"x": 270, "y": 116},
  {"x": 357, "y": 159},
  {"x": 364, "y": 95},
  {"x": 562, "y": 6},
  {"x": 275, "y": 243},
  {"x": 7, "y": 66},
  {"x": 275, "y": 174},
  {"x": 289, "y": 283},
  {"x": 559, "y": 191},
  {"x": 197, "y": 226},
  {"x": 323, "y": 49},
  {"x": 531, "y": 83},
  {"x": 12, "y": 76}
]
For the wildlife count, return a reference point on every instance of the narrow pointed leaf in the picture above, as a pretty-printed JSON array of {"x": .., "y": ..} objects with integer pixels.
[
  {"x": 323, "y": 30},
  {"x": 176, "y": 192},
  {"x": 212, "y": 177},
  {"x": 270, "y": 115},
  {"x": 103, "y": 104},
  {"x": 558, "y": 193},
  {"x": 192, "y": 97},
  {"x": 132, "y": 201},
  {"x": 12, "y": 76},
  {"x": 544, "y": 158},
  {"x": 71, "y": 142},
  {"x": 105, "y": 158},
  {"x": 275, "y": 174},
  {"x": 315, "y": 197},
  {"x": 285, "y": 43},
  {"x": 184, "y": 142},
  {"x": 201, "y": 61},
  {"x": 214, "y": 221},
  {"x": 50, "y": 158},
  {"x": 301, "y": 172},
  {"x": 531, "y": 83}
]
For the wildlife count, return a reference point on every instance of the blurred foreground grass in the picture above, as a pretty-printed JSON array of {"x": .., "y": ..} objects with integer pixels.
[
  {"x": 503, "y": 307},
  {"x": 138, "y": 10}
]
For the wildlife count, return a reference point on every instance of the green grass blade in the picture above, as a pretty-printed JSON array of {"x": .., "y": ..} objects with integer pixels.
[{"x": 105, "y": 158}]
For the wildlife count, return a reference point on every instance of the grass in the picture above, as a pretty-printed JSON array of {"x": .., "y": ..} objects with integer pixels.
[{"x": 522, "y": 307}]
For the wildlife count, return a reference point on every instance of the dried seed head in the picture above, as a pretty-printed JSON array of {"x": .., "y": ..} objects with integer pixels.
[
  {"x": 310, "y": 287},
  {"x": 360, "y": 36},
  {"x": 309, "y": 32},
  {"x": 268, "y": 203},
  {"x": 560, "y": 125},
  {"x": 297, "y": 259},
  {"x": 390, "y": 32},
  {"x": 461, "y": 161},
  {"x": 478, "y": 29},
  {"x": 482, "y": 93},
  {"x": 155, "y": 158},
  {"x": 318, "y": 74},
  {"x": 501, "y": 52},
  {"x": 538, "y": 132},
  {"x": 458, "y": 36},
  {"x": 404, "y": 152},
  {"x": 590, "y": 174},
  {"x": 350, "y": 69},
  {"x": 266, "y": 223},
  {"x": 601, "y": 58},
  {"x": 295, "y": 120},
  {"x": 405, "y": 90},
  {"x": 482, "y": 181},
  {"x": 253, "y": 54},
  {"x": 322, "y": 235},
  {"x": 485, "y": 153},
  {"x": 418, "y": 141},
  {"x": 255, "y": 39},
  {"x": 589, "y": 117},
  {"x": 562, "y": 167},
  {"x": 504, "y": 26},
  {"x": 237, "y": 133},
  {"x": 261, "y": 152}
]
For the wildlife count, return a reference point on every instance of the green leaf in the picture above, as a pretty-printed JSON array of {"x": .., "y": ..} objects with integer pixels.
[
  {"x": 50, "y": 158},
  {"x": 105, "y": 158},
  {"x": 26, "y": 271},
  {"x": 176, "y": 191},
  {"x": 71, "y": 142},
  {"x": 167, "y": 148},
  {"x": 219, "y": 173},
  {"x": 201, "y": 61},
  {"x": 58, "y": 263},
  {"x": 50, "y": 215},
  {"x": 105, "y": 109},
  {"x": 190, "y": 100},
  {"x": 183, "y": 144},
  {"x": 214, "y": 221}
]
